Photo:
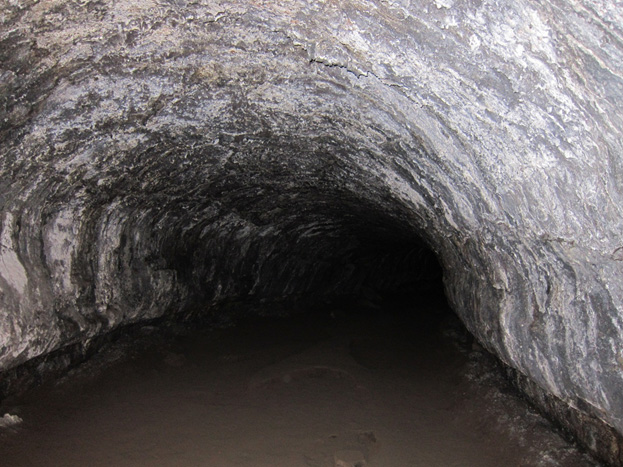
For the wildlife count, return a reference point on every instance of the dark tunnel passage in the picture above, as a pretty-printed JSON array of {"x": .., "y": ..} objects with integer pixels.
[
  {"x": 328, "y": 246},
  {"x": 305, "y": 323},
  {"x": 367, "y": 366},
  {"x": 202, "y": 164}
]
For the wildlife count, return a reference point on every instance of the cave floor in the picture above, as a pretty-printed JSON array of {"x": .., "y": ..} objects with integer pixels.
[{"x": 336, "y": 388}]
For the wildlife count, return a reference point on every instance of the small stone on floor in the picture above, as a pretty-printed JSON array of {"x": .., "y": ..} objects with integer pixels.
[{"x": 348, "y": 458}]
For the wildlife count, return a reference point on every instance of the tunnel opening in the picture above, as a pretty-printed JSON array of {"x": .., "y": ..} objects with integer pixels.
[
  {"x": 358, "y": 361},
  {"x": 216, "y": 233},
  {"x": 347, "y": 251},
  {"x": 185, "y": 161},
  {"x": 309, "y": 242}
]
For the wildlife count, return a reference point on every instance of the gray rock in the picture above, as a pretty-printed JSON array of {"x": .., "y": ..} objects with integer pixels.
[
  {"x": 9, "y": 420},
  {"x": 163, "y": 157},
  {"x": 349, "y": 458}
]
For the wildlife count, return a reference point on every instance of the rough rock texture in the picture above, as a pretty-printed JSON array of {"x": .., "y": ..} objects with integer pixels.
[{"x": 162, "y": 157}]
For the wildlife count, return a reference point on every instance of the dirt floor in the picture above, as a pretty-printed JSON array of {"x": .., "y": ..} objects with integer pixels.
[{"x": 395, "y": 385}]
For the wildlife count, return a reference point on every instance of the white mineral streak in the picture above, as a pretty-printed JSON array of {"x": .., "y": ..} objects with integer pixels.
[
  {"x": 60, "y": 243},
  {"x": 11, "y": 269}
]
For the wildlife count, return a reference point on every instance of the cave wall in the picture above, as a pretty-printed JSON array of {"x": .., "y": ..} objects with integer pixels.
[{"x": 159, "y": 158}]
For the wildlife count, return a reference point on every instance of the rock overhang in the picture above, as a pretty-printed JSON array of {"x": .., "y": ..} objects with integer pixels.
[{"x": 158, "y": 154}]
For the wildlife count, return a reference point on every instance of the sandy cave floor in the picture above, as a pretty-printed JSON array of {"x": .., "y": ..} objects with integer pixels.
[{"x": 396, "y": 385}]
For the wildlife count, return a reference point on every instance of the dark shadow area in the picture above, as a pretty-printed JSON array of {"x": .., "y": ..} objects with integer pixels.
[{"x": 387, "y": 377}]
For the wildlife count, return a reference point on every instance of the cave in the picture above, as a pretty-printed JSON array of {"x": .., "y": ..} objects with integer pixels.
[{"x": 216, "y": 162}]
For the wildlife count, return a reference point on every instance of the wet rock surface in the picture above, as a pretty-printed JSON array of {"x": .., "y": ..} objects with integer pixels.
[{"x": 172, "y": 158}]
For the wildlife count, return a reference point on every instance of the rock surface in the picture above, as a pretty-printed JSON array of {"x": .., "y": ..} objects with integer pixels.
[{"x": 163, "y": 157}]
